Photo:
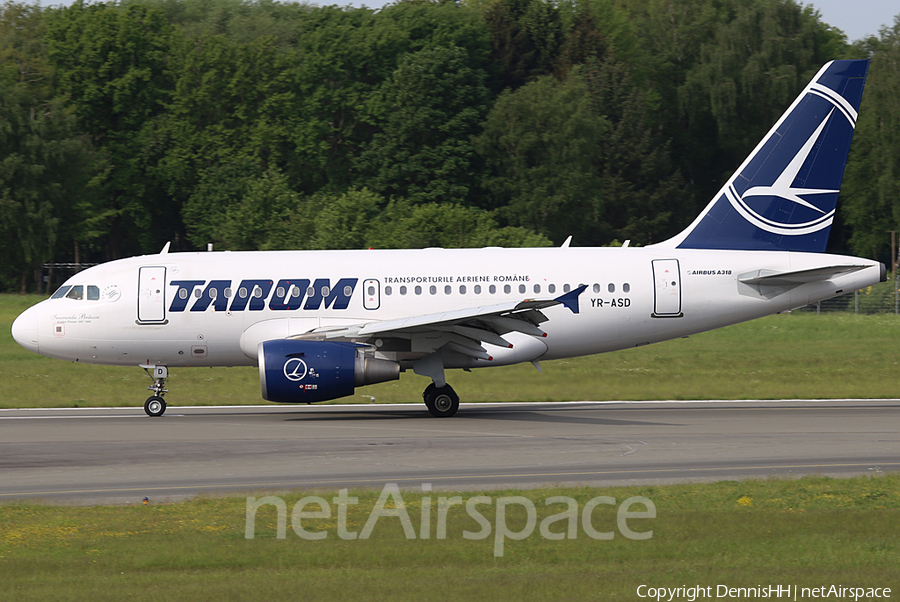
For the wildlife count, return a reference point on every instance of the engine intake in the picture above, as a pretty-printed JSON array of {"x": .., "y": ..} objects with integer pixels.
[{"x": 309, "y": 371}]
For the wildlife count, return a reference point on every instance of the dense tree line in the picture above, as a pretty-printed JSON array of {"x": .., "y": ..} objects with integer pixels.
[{"x": 268, "y": 125}]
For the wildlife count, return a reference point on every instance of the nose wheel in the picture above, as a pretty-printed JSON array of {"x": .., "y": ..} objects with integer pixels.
[{"x": 155, "y": 404}]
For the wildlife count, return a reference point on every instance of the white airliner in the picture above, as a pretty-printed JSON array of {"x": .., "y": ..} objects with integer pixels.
[{"x": 320, "y": 323}]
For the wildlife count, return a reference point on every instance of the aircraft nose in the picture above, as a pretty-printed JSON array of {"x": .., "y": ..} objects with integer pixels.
[{"x": 25, "y": 329}]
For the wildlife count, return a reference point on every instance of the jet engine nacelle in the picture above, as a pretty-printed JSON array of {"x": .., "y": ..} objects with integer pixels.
[{"x": 307, "y": 371}]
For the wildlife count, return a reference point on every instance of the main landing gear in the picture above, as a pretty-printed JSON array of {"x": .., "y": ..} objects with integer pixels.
[
  {"x": 442, "y": 402},
  {"x": 155, "y": 404}
]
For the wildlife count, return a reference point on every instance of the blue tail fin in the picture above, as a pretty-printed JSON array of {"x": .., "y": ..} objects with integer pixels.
[{"x": 783, "y": 197}]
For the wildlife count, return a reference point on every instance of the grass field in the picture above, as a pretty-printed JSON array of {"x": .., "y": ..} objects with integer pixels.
[
  {"x": 797, "y": 355},
  {"x": 809, "y": 533}
]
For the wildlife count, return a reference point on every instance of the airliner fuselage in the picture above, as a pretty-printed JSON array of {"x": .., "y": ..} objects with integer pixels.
[{"x": 202, "y": 309}]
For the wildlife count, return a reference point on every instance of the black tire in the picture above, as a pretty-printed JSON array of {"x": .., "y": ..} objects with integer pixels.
[
  {"x": 155, "y": 406},
  {"x": 442, "y": 402}
]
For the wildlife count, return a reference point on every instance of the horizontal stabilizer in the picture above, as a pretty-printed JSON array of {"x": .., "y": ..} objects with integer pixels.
[{"x": 772, "y": 278}]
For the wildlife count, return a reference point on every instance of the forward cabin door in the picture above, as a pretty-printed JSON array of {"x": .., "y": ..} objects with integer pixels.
[
  {"x": 372, "y": 292},
  {"x": 667, "y": 289},
  {"x": 152, "y": 295}
]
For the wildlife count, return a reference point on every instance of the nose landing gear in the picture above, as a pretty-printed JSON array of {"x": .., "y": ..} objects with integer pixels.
[{"x": 155, "y": 404}]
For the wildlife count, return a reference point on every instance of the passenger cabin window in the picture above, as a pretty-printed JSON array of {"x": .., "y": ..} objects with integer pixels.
[
  {"x": 477, "y": 289},
  {"x": 626, "y": 288},
  {"x": 402, "y": 290},
  {"x": 611, "y": 287},
  {"x": 566, "y": 288},
  {"x": 551, "y": 288}
]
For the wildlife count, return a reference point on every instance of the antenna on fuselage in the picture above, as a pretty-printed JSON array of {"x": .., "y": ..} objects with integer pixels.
[
  {"x": 165, "y": 249},
  {"x": 566, "y": 244}
]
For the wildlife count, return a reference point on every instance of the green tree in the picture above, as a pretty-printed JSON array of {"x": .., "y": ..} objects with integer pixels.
[
  {"x": 110, "y": 62},
  {"x": 870, "y": 196},
  {"x": 261, "y": 214},
  {"x": 580, "y": 157},
  {"x": 526, "y": 36},
  {"x": 543, "y": 144},
  {"x": 752, "y": 65},
  {"x": 44, "y": 163},
  {"x": 360, "y": 218},
  {"x": 41, "y": 170},
  {"x": 231, "y": 106},
  {"x": 645, "y": 197},
  {"x": 401, "y": 226},
  {"x": 219, "y": 189},
  {"x": 432, "y": 105}
]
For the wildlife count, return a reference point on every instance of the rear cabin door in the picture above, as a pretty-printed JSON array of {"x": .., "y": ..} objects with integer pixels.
[
  {"x": 667, "y": 289},
  {"x": 152, "y": 294}
]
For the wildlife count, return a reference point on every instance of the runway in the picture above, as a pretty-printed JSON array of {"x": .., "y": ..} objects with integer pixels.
[{"x": 101, "y": 455}]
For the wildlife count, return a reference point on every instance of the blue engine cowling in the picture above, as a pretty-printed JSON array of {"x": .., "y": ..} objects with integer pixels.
[{"x": 294, "y": 371}]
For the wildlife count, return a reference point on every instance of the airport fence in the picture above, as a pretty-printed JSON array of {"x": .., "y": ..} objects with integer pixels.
[{"x": 882, "y": 298}]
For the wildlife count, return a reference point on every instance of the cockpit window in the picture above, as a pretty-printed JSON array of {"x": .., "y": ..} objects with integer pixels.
[
  {"x": 93, "y": 293},
  {"x": 60, "y": 292},
  {"x": 77, "y": 293}
]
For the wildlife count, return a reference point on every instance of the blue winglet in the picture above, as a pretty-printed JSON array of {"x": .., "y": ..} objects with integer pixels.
[{"x": 570, "y": 299}]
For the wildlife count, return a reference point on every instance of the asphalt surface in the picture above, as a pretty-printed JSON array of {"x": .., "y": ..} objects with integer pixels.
[{"x": 102, "y": 455}]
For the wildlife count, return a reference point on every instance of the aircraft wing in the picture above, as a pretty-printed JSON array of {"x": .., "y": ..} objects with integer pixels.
[{"x": 464, "y": 329}]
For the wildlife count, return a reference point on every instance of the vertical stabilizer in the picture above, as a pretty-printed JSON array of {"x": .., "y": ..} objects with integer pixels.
[{"x": 783, "y": 197}]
